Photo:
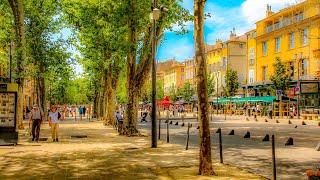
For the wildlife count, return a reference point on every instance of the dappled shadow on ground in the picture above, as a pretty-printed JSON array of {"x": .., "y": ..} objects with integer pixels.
[
  {"x": 103, "y": 155},
  {"x": 253, "y": 154}
]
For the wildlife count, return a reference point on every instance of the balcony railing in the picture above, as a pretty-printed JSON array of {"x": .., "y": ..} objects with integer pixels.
[{"x": 285, "y": 22}]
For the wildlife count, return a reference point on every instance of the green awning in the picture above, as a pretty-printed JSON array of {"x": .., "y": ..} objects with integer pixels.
[{"x": 267, "y": 99}]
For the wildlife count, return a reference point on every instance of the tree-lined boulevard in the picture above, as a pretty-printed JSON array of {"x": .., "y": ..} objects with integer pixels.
[{"x": 112, "y": 119}]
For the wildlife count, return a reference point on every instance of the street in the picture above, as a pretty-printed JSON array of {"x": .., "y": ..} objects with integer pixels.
[{"x": 252, "y": 154}]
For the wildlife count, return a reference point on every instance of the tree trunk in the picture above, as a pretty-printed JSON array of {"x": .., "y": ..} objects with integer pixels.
[
  {"x": 111, "y": 84},
  {"x": 102, "y": 91},
  {"x": 42, "y": 91},
  {"x": 18, "y": 13},
  {"x": 132, "y": 110},
  {"x": 205, "y": 165},
  {"x": 95, "y": 103}
]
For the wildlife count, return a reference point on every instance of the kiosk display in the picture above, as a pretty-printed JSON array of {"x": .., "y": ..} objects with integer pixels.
[{"x": 7, "y": 109}]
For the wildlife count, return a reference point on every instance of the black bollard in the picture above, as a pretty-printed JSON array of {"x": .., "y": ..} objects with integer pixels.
[
  {"x": 219, "y": 130},
  {"x": 231, "y": 132},
  {"x": 303, "y": 123},
  {"x": 167, "y": 121},
  {"x": 265, "y": 120},
  {"x": 220, "y": 146},
  {"x": 319, "y": 124},
  {"x": 277, "y": 121},
  {"x": 168, "y": 132},
  {"x": 190, "y": 125},
  {"x": 170, "y": 122},
  {"x": 182, "y": 124},
  {"x": 198, "y": 127},
  {"x": 176, "y": 123},
  {"x": 247, "y": 135},
  {"x": 289, "y": 122},
  {"x": 289, "y": 142},
  {"x": 266, "y": 138},
  {"x": 274, "y": 170},
  {"x": 187, "y": 146},
  {"x": 159, "y": 129},
  {"x": 296, "y": 126}
]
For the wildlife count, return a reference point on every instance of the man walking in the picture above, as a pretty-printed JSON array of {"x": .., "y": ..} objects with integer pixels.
[{"x": 35, "y": 119}]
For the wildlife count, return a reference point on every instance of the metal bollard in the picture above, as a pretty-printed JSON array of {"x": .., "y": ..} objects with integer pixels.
[
  {"x": 167, "y": 132},
  {"x": 159, "y": 128},
  {"x": 274, "y": 170},
  {"x": 187, "y": 146},
  {"x": 220, "y": 146}
]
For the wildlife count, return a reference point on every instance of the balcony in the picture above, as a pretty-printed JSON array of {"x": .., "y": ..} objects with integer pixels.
[{"x": 284, "y": 23}]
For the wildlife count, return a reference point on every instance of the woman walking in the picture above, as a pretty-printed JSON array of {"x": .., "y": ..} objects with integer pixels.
[{"x": 54, "y": 117}]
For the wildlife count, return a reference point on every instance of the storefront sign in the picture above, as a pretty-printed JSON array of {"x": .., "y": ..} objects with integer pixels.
[
  {"x": 7, "y": 109},
  {"x": 309, "y": 87}
]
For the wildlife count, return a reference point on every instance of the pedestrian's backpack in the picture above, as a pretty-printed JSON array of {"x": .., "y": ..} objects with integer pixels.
[{"x": 59, "y": 115}]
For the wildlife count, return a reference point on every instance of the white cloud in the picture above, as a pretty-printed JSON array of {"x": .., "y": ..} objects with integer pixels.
[
  {"x": 176, "y": 27},
  {"x": 242, "y": 18},
  {"x": 254, "y": 10}
]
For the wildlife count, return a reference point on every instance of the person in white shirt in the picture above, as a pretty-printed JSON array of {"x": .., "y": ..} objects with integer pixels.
[{"x": 54, "y": 117}]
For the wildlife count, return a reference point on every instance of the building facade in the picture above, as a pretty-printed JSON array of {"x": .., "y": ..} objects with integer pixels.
[
  {"x": 229, "y": 54},
  {"x": 190, "y": 72},
  {"x": 173, "y": 77},
  {"x": 292, "y": 35}
]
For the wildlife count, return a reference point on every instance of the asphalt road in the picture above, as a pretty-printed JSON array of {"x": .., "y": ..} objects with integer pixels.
[{"x": 252, "y": 154}]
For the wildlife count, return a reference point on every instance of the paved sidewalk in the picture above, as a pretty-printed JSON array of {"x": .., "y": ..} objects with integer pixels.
[{"x": 103, "y": 155}]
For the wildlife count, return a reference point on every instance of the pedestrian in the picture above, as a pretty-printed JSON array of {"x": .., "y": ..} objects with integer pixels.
[
  {"x": 119, "y": 123},
  {"x": 84, "y": 111},
  {"x": 80, "y": 109},
  {"x": 54, "y": 117},
  {"x": 35, "y": 119}
]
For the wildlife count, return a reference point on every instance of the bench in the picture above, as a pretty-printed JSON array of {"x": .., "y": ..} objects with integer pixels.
[{"x": 310, "y": 116}]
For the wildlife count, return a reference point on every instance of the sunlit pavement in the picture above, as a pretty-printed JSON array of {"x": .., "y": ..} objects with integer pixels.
[
  {"x": 103, "y": 154},
  {"x": 253, "y": 154}
]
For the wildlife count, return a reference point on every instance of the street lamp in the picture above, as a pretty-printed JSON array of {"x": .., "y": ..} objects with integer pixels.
[
  {"x": 154, "y": 16},
  {"x": 298, "y": 83},
  {"x": 217, "y": 77}
]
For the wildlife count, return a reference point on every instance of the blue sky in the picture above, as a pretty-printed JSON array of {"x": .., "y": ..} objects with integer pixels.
[{"x": 225, "y": 15}]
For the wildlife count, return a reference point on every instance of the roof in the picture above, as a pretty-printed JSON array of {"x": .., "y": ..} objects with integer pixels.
[{"x": 283, "y": 11}]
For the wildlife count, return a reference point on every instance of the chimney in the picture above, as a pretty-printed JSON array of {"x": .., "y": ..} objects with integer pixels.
[
  {"x": 218, "y": 41},
  {"x": 269, "y": 11},
  {"x": 233, "y": 35}
]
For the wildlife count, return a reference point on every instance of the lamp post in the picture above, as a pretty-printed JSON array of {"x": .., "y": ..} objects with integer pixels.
[
  {"x": 217, "y": 77},
  {"x": 154, "y": 16},
  {"x": 298, "y": 83},
  {"x": 10, "y": 61}
]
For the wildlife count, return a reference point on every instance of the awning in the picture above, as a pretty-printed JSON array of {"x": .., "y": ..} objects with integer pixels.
[{"x": 267, "y": 99}]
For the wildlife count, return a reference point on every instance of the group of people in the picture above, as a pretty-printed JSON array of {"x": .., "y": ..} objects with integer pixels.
[{"x": 37, "y": 116}]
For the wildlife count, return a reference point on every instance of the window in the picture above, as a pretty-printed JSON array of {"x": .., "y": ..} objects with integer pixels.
[
  {"x": 291, "y": 69},
  {"x": 251, "y": 56},
  {"x": 277, "y": 41},
  {"x": 305, "y": 37},
  {"x": 265, "y": 48},
  {"x": 224, "y": 61},
  {"x": 291, "y": 40},
  {"x": 264, "y": 73},
  {"x": 304, "y": 67},
  {"x": 251, "y": 76}
]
